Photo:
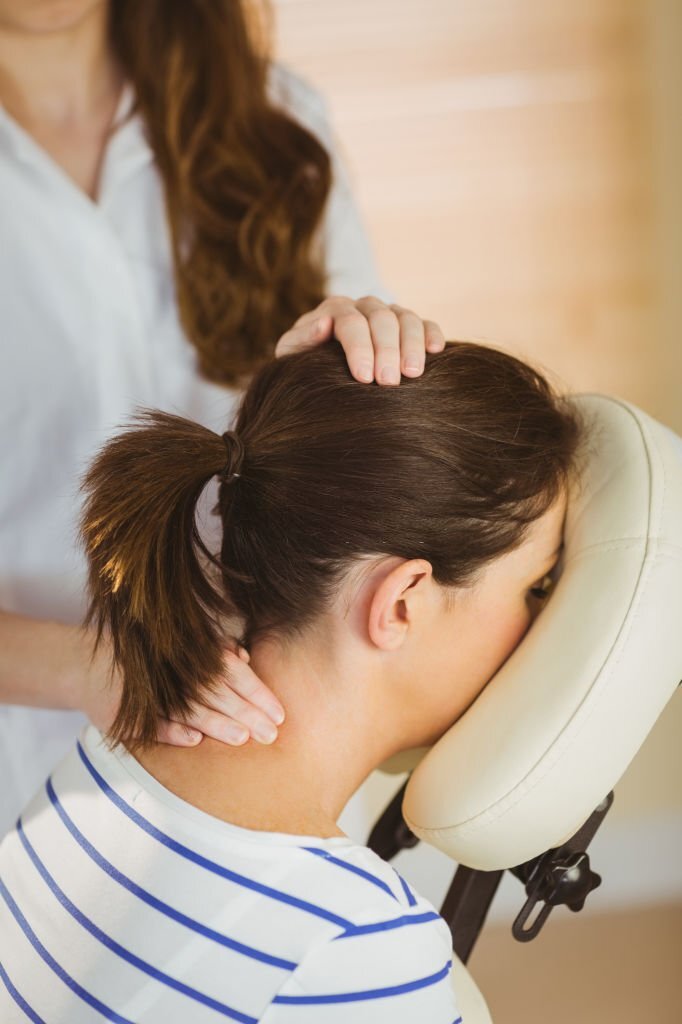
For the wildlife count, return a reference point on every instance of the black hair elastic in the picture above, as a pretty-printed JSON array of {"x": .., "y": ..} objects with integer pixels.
[{"x": 235, "y": 457}]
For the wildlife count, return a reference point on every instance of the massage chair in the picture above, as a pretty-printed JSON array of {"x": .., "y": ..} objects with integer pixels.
[{"x": 525, "y": 777}]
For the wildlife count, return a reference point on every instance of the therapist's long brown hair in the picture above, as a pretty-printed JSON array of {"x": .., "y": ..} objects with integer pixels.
[
  {"x": 245, "y": 184},
  {"x": 452, "y": 467}
]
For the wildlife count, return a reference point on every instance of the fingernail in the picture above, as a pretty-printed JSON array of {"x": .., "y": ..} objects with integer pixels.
[
  {"x": 276, "y": 714},
  {"x": 192, "y": 735},
  {"x": 412, "y": 363},
  {"x": 366, "y": 372},
  {"x": 264, "y": 733},
  {"x": 238, "y": 736},
  {"x": 389, "y": 375}
]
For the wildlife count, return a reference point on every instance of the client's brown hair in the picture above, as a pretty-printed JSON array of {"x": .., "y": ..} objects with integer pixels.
[{"x": 452, "y": 467}]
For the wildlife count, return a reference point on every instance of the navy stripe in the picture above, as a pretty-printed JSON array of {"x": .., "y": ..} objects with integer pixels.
[
  {"x": 158, "y": 904},
  {"x": 204, "y": 862},
  {"x": 406, "y": 889},
  {"x": 458, "y": 1021},
  {"x": 385, "y": 926},
  {"x": 371, "y": 993},
  {"x": 51, "y": 962},
  {"x": 351, "y": 867},
  {"x": 19, "y": 999},
  {"x": 115, "y": 947}
]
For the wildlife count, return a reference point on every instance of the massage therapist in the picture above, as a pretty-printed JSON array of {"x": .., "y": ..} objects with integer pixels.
[{"x": 172, "y": 205}]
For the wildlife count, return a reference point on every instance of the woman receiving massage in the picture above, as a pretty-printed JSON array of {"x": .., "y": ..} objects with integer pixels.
[{"x": 384, "y": 550}]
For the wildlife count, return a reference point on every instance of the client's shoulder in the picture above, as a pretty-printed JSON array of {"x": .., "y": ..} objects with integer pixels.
[
  {"x": 367, "y": 893},
  {"x": 364, "y": 878},
  {"x": 388, "y": 952}
]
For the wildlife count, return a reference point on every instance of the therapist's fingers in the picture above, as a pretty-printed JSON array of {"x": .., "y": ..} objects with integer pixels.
[
  {"x": 435, "y": 339},
  {"x": 176, "y": 734},
  {"x": 241, "y": 706},
  {"x": 308, "y": 331},
  {"x": 412, "y": 341},
  {"x": 231, "y": 719},
  {"x": 243, "y": 682},
  {"x": 339, "y": 316},
  {"x": 381, "y": 357},
  {"x": 366, "y": 328}
]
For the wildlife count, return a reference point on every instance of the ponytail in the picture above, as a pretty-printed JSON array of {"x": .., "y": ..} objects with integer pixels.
[{"x": 149, "y": 584}]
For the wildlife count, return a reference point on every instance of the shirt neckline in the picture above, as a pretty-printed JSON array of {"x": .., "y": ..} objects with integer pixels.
[
  {"x": 119, "y": 760},
  {"x": 126, "y": 148}
]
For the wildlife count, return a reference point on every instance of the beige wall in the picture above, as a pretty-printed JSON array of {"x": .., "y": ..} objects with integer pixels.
[
  {"x": 517, "y": 168},
  {"x": 503, "y": 156}
]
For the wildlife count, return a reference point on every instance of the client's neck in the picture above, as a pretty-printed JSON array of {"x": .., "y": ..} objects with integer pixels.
[{"x": 332, "y": 738}]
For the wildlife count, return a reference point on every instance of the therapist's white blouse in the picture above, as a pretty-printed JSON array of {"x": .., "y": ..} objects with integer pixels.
[{"x": 90, "y": 331}]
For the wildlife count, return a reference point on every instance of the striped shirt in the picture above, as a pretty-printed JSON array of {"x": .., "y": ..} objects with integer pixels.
[{"x": 121, "y": 902}]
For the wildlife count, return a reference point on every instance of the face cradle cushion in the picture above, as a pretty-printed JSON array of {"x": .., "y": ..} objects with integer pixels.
[
  {"x": 531, "y": 762},
  {"x": 554, "y": 730}
]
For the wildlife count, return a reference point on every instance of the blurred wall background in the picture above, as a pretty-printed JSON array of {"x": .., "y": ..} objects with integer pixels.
[{"x": 518, "y": 164}]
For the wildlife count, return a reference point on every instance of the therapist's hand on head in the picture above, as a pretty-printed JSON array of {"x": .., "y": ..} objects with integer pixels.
[{"x": 381, "y": 341}]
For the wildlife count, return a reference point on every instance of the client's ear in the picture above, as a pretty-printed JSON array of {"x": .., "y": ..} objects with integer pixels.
[{"x": 394, "y": 603}]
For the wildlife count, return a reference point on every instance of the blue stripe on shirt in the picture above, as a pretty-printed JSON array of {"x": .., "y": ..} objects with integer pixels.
[
  {"x": 153, "y": 901},
  {"x": 19, "y": 999},
  {"x": 352, "y": 868},
  {"x": 385, "y": 926},
  {"x": 204, "y": 862},
  {"x": 91, "y": 1000},
  {"x": 115, "y": 947},
  {"x": 406, "y": 889},
  {"x": 372, "y": 993}
]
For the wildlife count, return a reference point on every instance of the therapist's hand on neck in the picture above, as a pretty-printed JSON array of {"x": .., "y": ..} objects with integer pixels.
[
  {"x": 240, "y": 708},
  {"x": 46, "y": 664}
]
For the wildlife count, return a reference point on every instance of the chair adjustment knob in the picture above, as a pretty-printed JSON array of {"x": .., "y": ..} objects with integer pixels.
[
  {"x": 568, "y": 882},
  {"x": 559, "y": 876},
  {"x": 558, "y": 879}
]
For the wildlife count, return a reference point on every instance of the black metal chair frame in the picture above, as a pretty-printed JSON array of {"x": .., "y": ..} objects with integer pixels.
[{"x": 561, "y": 876}]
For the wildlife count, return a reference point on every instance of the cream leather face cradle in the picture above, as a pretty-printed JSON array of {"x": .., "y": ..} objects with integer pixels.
[{"x": 551, "y": 734}]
